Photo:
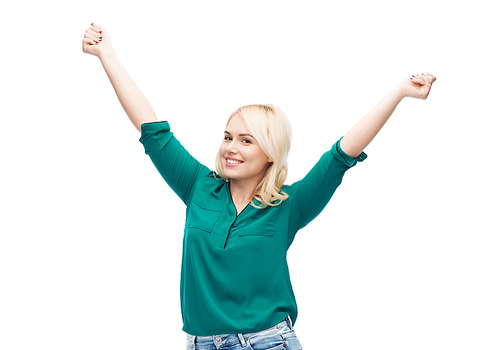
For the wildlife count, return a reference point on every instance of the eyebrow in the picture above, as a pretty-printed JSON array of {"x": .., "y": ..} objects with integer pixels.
[{"x": 228, "y": 133}]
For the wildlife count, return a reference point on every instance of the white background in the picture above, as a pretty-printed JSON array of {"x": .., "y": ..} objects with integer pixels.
[{"x": 405, "y": 256}]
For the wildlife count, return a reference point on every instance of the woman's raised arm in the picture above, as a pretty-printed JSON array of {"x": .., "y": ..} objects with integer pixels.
[
  {"x": 96, "y": 42},
  {"x": 355, "y": 141}
]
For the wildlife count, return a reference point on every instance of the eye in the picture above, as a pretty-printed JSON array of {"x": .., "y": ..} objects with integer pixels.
[
  {"x": 228, "y": 138},
  {"x": 247, "y": 141}
]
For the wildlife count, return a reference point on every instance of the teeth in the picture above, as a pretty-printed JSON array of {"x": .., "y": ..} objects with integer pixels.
[{"x": 231, "y": 161}]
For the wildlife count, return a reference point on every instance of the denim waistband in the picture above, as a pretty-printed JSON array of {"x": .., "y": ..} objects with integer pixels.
[{"x": 224, "y": 339}]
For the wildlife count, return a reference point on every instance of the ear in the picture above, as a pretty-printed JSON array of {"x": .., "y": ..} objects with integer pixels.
[{"x": 269, "y": 160}]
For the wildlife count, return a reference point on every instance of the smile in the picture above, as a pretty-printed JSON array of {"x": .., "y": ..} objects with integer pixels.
[{"x": 233, "y": 162}]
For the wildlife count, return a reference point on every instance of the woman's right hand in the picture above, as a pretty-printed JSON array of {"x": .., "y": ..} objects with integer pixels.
[{"x": 96, "y": 41}]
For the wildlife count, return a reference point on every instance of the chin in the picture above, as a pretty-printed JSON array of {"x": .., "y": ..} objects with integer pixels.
[{"x": 227, "y": 174}]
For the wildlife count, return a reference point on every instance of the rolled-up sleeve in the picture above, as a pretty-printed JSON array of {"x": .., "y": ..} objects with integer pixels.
[
  {"x": 155, "y": 136},
  {"x": 314, "y": 191},
  {"x": 177, "y": 167},
  {"x": 348, "y": 160}
]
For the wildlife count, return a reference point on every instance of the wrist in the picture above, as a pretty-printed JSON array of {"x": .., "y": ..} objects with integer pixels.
[
  {"x": 107, "y": 54},
  {"x": 398, "y": 92}
]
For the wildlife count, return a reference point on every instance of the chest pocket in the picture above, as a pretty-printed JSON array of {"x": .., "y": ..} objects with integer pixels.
[
  {"x": 260, "y": 222},
  {"x": 205, "y": 215}
]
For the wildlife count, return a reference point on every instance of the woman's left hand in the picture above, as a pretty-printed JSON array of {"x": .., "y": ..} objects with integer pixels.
[{"x": 417, "y": 86}]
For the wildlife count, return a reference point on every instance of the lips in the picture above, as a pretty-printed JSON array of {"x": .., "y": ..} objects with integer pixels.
[{"x": 233, "y": 161}]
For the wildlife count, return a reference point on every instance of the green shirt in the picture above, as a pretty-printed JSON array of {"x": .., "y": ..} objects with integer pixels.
[{"x": 234, "y": 276}]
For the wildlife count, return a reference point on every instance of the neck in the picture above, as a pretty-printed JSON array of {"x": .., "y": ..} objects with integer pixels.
[{"x": 241, "y": 192}]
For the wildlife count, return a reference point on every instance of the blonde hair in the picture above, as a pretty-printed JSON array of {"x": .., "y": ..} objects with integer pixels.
[{"x": 272, "y": 130}]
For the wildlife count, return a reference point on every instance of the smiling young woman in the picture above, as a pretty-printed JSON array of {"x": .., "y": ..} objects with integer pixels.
[
  {"x": 235, "y": 284},
  {"x": 266, "y": 131}
]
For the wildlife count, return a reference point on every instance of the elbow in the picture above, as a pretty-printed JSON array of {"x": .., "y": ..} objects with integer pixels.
[{"x": 350, "y": 148}]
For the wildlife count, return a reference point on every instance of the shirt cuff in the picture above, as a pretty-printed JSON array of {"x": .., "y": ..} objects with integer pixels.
[
  {"x": 157, "y": 125},
  {"x": 343, "y": 157},
  {"x": 155, "y": 135}
]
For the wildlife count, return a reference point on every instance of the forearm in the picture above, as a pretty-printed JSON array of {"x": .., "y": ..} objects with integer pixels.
[
  {"x": 131, "y": 98},
  {"x": 356, "y": 140}
]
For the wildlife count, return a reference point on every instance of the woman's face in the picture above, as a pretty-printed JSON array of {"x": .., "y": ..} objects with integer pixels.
[{"x": 243, "y": 159}]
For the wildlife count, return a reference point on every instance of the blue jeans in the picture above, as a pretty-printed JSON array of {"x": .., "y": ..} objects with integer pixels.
[{"x": 279, "y": 337}]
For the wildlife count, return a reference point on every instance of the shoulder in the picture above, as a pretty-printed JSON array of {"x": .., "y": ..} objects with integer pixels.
[{"x": 209, "y": 187}]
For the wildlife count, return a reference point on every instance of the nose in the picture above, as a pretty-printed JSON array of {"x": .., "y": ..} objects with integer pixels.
[{"x": 231, "y": 148}]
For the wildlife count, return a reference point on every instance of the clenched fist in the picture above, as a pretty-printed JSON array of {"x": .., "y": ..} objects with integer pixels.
[
  {"x": 96, "y": 41},
  {"x": 417, "y": 86}
]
